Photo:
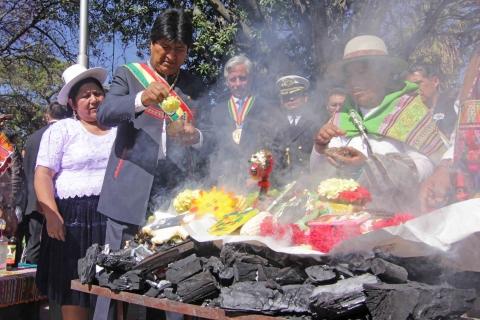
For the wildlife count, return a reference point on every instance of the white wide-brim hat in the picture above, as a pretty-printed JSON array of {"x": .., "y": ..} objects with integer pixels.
[
  {"x": 366, "y": 48},
  {"x": 76, "y": 73}
]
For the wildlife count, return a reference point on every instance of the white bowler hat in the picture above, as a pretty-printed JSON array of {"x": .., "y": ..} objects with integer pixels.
[
  {"x": 367, "y": 48},
  {"x": 75, "y": 73},
  {"x": 292, "y": 84}
]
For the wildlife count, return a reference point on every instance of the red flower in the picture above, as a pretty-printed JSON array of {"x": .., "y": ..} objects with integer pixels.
[
  {"x": 397, "y": 219},
  {"x": 324, "y": 236},
  {"x": 280, "y": 232},
  {"x": 358, "y": 196},
  {"x": 267, "y": 227},
  {"x": 298, "y": 236}
]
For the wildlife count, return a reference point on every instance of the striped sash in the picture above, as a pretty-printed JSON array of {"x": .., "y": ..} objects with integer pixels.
[{"x": 145, "y": 75}]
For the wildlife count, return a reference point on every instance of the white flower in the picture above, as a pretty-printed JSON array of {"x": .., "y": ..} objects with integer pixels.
[{"x": 331, "y": 188}]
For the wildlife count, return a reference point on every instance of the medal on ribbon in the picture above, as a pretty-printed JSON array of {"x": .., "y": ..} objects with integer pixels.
[
  {"x": 239, "y": 116},
  {"x": 237, "y": 135}
]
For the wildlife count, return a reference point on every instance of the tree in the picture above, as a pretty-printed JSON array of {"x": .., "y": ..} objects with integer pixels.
[
  {"x": 32, "y": 53},
  {"x": 282, "y": 36}
]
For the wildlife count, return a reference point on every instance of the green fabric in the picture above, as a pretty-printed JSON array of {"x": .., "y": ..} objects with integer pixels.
[{"x": 373, "y": 122}]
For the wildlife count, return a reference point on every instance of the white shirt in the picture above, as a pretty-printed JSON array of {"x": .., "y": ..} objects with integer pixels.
[
  {"x": 380, "y": 145},
  {"x": 293, "y": 119},
  {"x": 78, "y": 157}
]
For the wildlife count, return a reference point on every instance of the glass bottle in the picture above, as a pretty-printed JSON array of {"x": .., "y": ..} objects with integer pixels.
[
  {"x": 12, "y": 249},
  {"x": 3, "y": 247}
]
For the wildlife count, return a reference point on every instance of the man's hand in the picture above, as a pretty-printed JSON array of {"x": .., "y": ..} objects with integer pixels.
[
  {"x": 325, "y": 134},
  {"x": 435, "y": 190},
  {"x": 186, "y": 133},
  {"x": 345, "y": 156},
  {"x": 154, "y": 94},
  {"x": 55, "y": 227}
]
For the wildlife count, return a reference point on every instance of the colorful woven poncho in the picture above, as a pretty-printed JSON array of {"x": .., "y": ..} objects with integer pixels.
[{"x": 401, "y": 116}]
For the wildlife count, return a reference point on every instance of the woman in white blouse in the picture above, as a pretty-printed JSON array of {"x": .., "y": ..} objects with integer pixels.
[{"x": 71, "y": 164}]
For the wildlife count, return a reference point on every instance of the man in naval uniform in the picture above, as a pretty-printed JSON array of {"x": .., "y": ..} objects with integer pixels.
[{"x": 296, "y": 127}]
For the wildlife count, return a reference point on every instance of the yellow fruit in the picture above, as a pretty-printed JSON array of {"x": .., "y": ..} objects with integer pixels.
[{"x": 170, "y": 104}]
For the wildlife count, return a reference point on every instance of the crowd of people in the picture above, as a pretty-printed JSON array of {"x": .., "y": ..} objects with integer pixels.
[{"x": 106, "y": 159}]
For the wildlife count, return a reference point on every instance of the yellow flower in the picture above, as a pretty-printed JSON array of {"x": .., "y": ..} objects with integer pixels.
[
  {"x": 216, "y": 202},
  {"x": 183, "y": 201},
  {"x": 170, "y": 104}
]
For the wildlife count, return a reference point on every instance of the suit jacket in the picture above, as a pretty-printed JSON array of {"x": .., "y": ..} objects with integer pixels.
[
  {"x": 29, "y": 162},
  {"x": 229, "y": 160},
  {"x": 444, "y": 114},
  {"x": 137, "y": 150},
  {"x": 293, "y": 145}
]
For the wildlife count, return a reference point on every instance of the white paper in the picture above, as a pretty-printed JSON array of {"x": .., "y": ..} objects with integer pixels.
[{"x": 452, "y": 232}]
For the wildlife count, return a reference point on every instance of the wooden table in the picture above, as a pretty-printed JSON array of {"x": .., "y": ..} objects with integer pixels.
[
  {"x": 18, "y": 286},
  {"x": 162, "y": 304}
]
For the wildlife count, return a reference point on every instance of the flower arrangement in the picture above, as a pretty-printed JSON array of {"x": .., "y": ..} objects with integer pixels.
[
  {"x": 261, "y": 166},
  {"x": 183, "y": 201},
  {"x": 344, "y": 191},
  {"x": 215, "y": 201},
  {"x": 289, "y": 232}
]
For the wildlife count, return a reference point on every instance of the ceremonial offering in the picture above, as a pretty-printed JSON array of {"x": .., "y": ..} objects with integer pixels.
[
  {"x": 232, "y": 221},
  {"x": 343, "y": 194},
  {"x": 252, "y": 226},
  {"x": 342, "y": 151},
  {"x": 159, "y": 231},
  {"x": 261, "y": 166},
  {"x": 216, "y": 202},
  {"x": 175, "y": 127},
  {"x": 170, "y": 104},
  {"x": 315, "y": 220},
  {"x": 183, "y": 201}
]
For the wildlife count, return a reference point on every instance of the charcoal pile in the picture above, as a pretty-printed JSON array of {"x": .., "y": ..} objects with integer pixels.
[{"x": 243, "y": 278}]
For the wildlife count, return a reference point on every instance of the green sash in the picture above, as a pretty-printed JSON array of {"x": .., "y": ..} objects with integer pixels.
[{"x": 401, "y": 116}]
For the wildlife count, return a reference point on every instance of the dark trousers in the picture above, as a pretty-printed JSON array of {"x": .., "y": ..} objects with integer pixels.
[
  {"x": 34, "y": 223},
  {"x": 116, "y": 234}
]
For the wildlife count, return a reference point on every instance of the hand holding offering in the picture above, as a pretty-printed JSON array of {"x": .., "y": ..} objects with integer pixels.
[
  {"x": 184, "y": 132},
  {"x": 154, "y": 94},
  {"x": 325, "y": 134},
  {"x": 345, "y": 156}
]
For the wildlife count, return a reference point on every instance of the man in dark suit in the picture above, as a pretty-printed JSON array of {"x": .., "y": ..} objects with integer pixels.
[
  {"x": 33, "y": 219},
  {"x": 240, "y": 125},
  {"x": 153, "y": 150},
  {"x": 295, "y": 129}
]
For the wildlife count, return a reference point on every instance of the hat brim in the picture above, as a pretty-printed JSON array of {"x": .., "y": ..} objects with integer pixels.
[
  {"x": 97, "y": 73},
  {"x": 392, "y": 65}
]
